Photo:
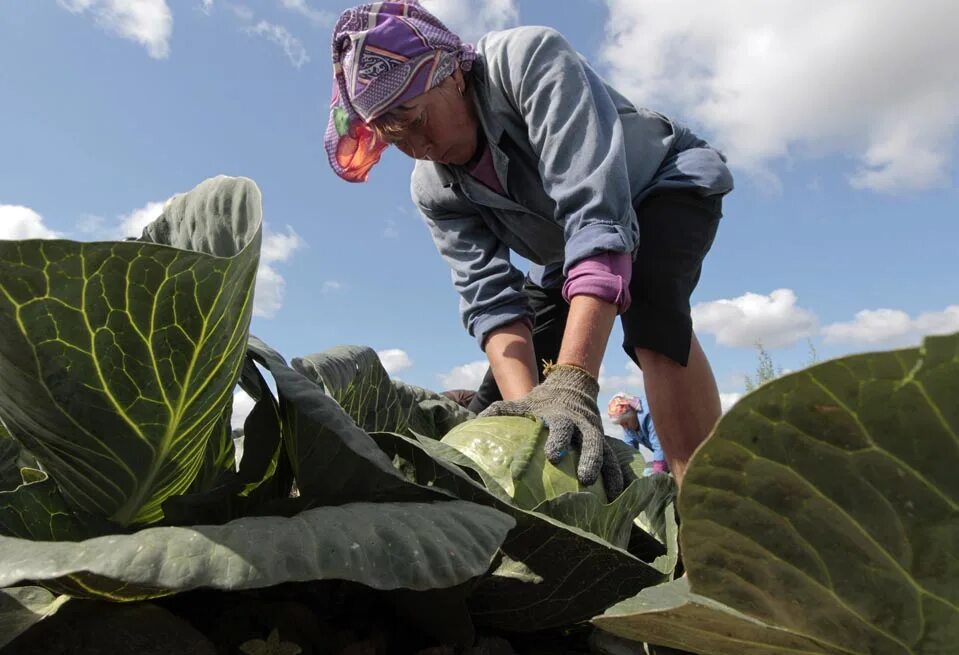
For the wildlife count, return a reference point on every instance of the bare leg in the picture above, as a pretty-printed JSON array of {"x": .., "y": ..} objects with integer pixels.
[{"x": 684, "y": 402}]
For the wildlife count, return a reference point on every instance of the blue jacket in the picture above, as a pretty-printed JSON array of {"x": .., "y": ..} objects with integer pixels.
[
  {"x": 645, "y": 436},
  {"x": 574, "y": 156}
]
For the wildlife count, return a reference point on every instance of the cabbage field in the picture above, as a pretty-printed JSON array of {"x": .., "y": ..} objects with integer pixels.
[{"x": 370, "y": 516}]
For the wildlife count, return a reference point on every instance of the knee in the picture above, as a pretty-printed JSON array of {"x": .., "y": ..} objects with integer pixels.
[{"x": 650, "y": 361}]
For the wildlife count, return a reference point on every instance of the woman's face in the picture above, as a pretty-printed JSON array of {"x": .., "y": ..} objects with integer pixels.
[{"x": 441, "y": 124}]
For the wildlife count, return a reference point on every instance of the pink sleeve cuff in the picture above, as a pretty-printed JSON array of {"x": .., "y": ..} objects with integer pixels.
[{"x": 605, "y": 276}]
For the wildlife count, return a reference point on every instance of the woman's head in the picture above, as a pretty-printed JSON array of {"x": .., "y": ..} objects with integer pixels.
[
  {"x": 396, "y": 62},
  {"x": 623, "y": 408},
  {"x": 439, "y": 125}
]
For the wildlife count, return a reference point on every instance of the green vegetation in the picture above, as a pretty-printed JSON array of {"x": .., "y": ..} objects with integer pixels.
[{"x": 820, "y": 517}]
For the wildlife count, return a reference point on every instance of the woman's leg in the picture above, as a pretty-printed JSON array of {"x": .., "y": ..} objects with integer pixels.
[
  {"x": 684, "y": 402},
  {"x": 676, "y": 229}
]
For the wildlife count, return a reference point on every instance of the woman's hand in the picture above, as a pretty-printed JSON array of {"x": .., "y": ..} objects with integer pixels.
[{"x": 566, "y": 402}]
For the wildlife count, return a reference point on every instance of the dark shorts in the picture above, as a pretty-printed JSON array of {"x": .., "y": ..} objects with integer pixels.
[{"x": 676, "y": 229}]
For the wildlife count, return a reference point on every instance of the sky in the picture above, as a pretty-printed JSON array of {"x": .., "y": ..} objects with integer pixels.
[{"x": 839, "y": 119}]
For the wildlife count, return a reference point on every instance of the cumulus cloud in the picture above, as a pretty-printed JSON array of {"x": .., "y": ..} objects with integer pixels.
[
  {"x": 472, "y": 19},
  {"x": 147, "y": 22},
  {"x": 132, "y": 224},
  {"x": 292, "y": 46},
  {"x": 892, "y": 326},
  {"x": 390, "y": 231},
  {"x": 330, "y": 287},
  {"x": 268, "y": 296},
  {"x": 467, "y": 376},
  {"x": 394, "y": 360},
  {"x": 242, "y": 406},
  {"x": 18, "y": 222},
  {"x": 630, "y": 380},
  {"x": 774, "y": 321},
  {"x": 304, "y": 9},
  {"x": 727, "y": 400},
  {"x": 277, "y": 247},
  {"x": 870, "y": 81}
]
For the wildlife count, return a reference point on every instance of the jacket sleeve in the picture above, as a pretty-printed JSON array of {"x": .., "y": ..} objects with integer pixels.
[
  {"x": 574, "y": 127},
  {"x": 489, "y": 285}
]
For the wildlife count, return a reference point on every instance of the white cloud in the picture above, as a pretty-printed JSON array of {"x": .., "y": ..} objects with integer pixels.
[
  {"x": 774, "y": 320},
  {"x": 18, "y": 222},
  {"x": 148, "y": 22},
  {"x": 279, "y": 247},
  {"x": 631, "y": 381},
  {"x": 331, "y": 286},
  {"x": 394, "y": 360},
  {"x": 268, "y": 294},
  {"x": 390, "y": 231},
  {"x": 132, "y": 224},
  {"x": 886, "y": 326},
  {"x": 870, "y": 81},
  {"x": 471, "y": 19},
  {"x": 242, "y": 406},
  {"x": 91, "y": 224},
  {"x": 727, "y": 400},
  {"x": 242, "y": 12},
  {"x": 467, "y": 376},
  {"x": 304, "y": 9},
  {"x": 278, "y": 34},
  {"x": 270, "y": 286},
  {"x": 206, "y": 6}
]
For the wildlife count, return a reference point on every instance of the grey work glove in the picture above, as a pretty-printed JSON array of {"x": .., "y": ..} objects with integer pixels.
[{"x": 566, "y": 402}]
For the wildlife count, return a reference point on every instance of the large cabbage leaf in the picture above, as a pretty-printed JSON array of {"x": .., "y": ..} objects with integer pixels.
[
  {"x": 9, "y": 464},
  {"x": 414, "y": 544},
  {"x": 23, "y": 607},
  {"x": 550, "y": 574},
  {"x": 118, "y": 359},
  {"x": 670, "y": 614},
  {"x": 335, "y": 461},
  {"x": 824, "y": 509},
  {"x": 381, "y": 545},
  {"x": 356, "y": 378}
]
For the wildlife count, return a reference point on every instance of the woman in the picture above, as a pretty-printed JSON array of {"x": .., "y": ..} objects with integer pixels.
[
  {"x": 521, "y": 147},
  {"x": 627, "y": 412}
]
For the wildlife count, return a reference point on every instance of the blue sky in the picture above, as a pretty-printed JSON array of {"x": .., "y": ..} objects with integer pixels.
[{"x": 840, "y": 121}]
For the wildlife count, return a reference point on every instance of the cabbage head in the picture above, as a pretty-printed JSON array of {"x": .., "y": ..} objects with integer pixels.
[{"x": 510, "y": 450}]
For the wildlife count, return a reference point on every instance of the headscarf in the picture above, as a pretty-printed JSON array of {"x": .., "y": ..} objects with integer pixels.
[
  {"x": 384, "y": 54},
  {"x": 622, "y": 406}
]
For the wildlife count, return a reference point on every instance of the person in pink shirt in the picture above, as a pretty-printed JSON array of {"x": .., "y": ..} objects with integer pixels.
[{"x": 522, "y": 148}]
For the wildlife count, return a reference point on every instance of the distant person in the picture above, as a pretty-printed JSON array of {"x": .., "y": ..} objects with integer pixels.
[{"x": 627, "y": 412}]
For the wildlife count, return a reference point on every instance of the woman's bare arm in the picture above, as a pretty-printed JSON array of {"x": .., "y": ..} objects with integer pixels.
[
  {"x": 587, "y": 333},
  {"x": 509, "y": 349}
]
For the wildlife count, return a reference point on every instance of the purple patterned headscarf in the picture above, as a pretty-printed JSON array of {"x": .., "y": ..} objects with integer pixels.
[{"x": 384, "y": 54}]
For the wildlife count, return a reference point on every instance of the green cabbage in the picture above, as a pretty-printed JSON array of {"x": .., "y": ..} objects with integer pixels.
[{"x": 510, "y": 450}]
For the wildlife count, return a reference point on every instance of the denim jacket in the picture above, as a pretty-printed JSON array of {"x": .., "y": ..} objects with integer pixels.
[
  {"x": 646, "y": 436},
  {"x": 574, "y": 157}
]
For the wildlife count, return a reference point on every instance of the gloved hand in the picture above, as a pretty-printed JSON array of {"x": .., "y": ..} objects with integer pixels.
[
  {"x": 658, "y": 466},
  {"x": 566, "y": 402}
]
